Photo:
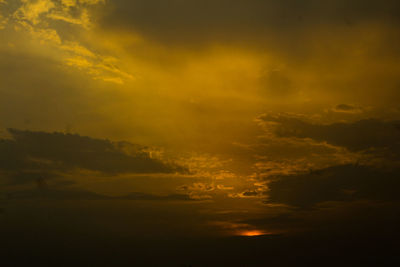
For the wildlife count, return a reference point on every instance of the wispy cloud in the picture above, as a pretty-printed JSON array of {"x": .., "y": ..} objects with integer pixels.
[{"x": 38, "y": 19}]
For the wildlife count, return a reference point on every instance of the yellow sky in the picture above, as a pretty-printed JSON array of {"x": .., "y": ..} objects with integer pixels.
[{"x": 140, "y": 87}]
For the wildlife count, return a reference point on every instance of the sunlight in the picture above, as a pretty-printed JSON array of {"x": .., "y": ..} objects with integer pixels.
[{"x": 251, "y": 233}]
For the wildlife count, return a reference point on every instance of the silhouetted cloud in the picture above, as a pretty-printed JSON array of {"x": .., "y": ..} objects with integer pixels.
[
  {"x": 38, "y": 177},
  {"x": 80, "y": 194},
  {"x": 144, "y": 196},
  {"x": 338, "y": 183},
  {"x": 31, "y": 156},
  {"x": 360, "y": 135},
  {"x": 55, "y": 194},
  {"x": 88, "y": 153},
  {"x": 345, "y": 108}
]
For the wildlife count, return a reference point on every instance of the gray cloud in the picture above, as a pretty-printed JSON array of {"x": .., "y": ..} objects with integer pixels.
[
  {"x": 195, "y": 20},
  {"x": 346, "y": 108},
  {"x": 73, "y": 194},
  {"x": 34, "y": 156},
  {"x": 343, "y": 199},
  {"x": 359, "y": 135},
  {"x": 85, "y": 152},
  {"x": 338, "y": 183}
]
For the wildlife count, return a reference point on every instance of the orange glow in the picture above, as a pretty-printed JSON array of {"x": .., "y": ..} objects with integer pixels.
[{"x": 252, "y": 233}]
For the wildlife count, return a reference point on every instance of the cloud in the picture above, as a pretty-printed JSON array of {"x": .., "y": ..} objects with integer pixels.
[
  {"x": 337, "y": 220},
  {"x": 360, "y": 135},
  {"x": 270, "y": 154},
  {"x": 37, "y": 12},
  {"x": 39, "y": 177},
  {"x": 145, "y": 196},
  {"x": 32, "y": 11},
  {"x": 54, "y": 194},
  {"x": 303, "y": 52},
  {"x": 3, "y": 22},
  {"x": 345, "y": 108},
  {"x": 31, "y": 155},
  {"x": 338, "y": 200},
  {"x": 41, "y": 21},
  {"x": 243, "y": 19},
  {"x": 75, "y": 194},
  {"x": 337, "y": 183},
  {"x": 248, "y": 194},
  {"x": 200, "y": 191}
]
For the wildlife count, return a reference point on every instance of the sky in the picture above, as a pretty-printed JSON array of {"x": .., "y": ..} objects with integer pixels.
[{"x": 199, "y": 132}]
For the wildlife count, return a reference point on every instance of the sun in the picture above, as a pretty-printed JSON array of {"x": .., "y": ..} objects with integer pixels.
[{"x": 251, "y": 233}]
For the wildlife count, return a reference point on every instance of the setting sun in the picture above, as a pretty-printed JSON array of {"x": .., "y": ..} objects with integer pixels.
[{"x": 253, "y": 233}]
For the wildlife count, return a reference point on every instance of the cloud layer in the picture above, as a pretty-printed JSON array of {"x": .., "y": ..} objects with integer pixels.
[{"x": 30, "y": 156}]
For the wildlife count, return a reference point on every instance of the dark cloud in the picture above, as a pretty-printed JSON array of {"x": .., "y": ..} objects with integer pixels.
[
  {"x": 339, "y": 223},
  {"x": 199, "y": 20},
  {"x": 145, "y": 196},
  {"x": 34, "y": 156},
  {"x": 12, "y": 158},
  {"x": 71, "y": 194},
  {"x": 55, "y": 194},
  {"x": 250, "y": 193},
  {"x": 338, "y": 183},
  {"x": 38, "y": 177},
  {"x": 344, "y": 200},
  {"x": 360, "y": 135},
  {"x": 347, "y": 109},
  {"x": 88, "y": 153}
]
